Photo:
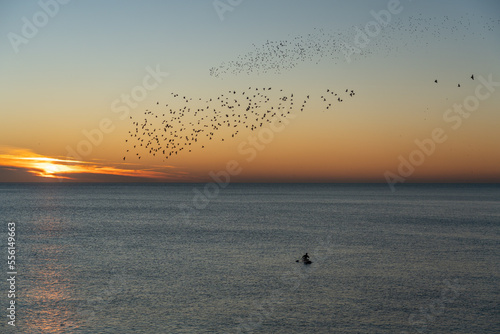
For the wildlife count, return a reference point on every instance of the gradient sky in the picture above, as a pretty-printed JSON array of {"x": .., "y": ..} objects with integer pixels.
[{"x": 64, "y": 78}]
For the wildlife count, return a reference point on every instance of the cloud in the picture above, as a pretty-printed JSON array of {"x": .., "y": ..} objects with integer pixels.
[{"x": 14, "y": 161}]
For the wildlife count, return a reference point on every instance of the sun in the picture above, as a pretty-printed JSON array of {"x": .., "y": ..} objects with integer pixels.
[
  {"x": 68, "y": 169},
  {"x": 48, "y": 169}
]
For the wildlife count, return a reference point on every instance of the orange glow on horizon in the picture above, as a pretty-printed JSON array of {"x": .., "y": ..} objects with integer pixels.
[{"x": 65, "y": 169}]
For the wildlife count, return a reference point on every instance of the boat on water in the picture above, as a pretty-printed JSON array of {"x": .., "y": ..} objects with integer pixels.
[{"x": 304, "y": 259}]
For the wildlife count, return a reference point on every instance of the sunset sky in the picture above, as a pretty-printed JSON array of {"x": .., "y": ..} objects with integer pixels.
[{"x": 68, "y": 70}]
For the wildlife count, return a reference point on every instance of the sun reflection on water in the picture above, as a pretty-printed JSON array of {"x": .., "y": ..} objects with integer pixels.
[{"x": 47, "y": 284}]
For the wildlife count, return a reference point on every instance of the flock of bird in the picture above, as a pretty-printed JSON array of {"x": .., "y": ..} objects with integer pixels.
[
  {"x": 186, "y": 123},
  {"x": 400, "y": 34}
]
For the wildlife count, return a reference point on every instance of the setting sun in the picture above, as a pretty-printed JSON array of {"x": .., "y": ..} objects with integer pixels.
[
  {"x": 49, "y": 169},
  {"x": 73, "y": 170}
]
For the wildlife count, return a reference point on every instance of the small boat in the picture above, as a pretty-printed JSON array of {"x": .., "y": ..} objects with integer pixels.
[{"x": 304, "y": 261}]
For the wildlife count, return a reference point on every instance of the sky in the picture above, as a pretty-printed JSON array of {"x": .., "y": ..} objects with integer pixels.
[{"x": 83, "y": 82}]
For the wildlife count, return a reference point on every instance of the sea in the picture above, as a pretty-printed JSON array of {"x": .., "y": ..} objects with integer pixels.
[{"x": 217, "y": 258}]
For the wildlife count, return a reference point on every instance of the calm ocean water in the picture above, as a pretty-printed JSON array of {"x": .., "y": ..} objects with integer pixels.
[{"x": 155, "y": 258}]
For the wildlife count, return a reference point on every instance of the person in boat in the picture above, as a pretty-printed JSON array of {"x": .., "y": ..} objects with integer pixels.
[{"x": 305, "y": 257}]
